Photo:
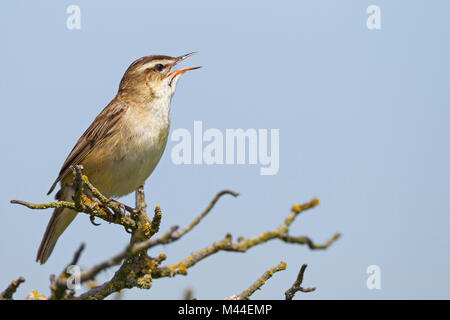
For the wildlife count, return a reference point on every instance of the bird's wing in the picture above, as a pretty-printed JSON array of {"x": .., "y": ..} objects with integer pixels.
[{"x": 104, "y": 125}]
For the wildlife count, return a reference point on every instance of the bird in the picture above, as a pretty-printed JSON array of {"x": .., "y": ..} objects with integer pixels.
[{"x": 124, "y": 143}]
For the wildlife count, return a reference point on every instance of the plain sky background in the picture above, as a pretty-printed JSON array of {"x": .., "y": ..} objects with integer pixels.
[{"x": 364, "y": 126}]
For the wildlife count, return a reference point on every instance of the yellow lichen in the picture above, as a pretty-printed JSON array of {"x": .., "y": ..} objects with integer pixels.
[
  {"x": 36, "y": 295},
  {"x": 182, "y": 267}
]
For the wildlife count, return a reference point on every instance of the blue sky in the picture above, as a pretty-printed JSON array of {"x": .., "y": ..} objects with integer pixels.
[{"x": 362, "y": 115}]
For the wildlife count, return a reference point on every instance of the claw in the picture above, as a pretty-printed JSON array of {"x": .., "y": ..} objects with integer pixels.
[
  {"x": 122, "y": 207},
  {"x": 92, "y": 218},
  {"x": 105, "y": 208},
  {"x": 128, "y": 230}
]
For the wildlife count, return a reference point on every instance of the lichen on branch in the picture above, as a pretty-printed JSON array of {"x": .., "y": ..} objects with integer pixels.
[{"x": 136, "y": 267}]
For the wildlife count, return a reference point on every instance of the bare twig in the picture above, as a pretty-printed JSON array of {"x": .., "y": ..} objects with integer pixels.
[
  {"x": 245, "y": 295},
  {"x": 8, "y": 293},
  {"x": 297, "y": 285},
  {"x": 211, "y": 205},
  {"x": 188, "y": 294},
  {"x": 77, "y": 255},
  {"x": 309, "y": 242},
  {"x": 173, "y": 234}
]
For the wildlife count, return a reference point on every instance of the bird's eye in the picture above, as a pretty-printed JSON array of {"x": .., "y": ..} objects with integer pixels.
[{"x": 159, "y": 67}]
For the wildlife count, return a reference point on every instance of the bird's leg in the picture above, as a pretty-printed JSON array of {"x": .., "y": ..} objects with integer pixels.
[{"x": 123, "y": 207}]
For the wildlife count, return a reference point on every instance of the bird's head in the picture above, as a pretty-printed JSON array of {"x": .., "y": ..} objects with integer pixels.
[{"x": 152, "y": 76}]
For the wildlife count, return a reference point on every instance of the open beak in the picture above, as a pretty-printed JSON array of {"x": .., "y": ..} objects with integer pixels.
[
  {"x": 175, "y": 73},
  {"x": 181, "y": 71},
  {"x": 181, "y": 58}
]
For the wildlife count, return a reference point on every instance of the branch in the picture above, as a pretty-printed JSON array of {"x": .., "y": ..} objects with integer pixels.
[
  {"x": 97, "y": 207},
  {"x": 173, "y": 234},
  {"x": 137, "y": 268},
  {"x": 8, "y": 293},
  {"x": 134, "y": 272},
  {"x": 134, "y": 248},
  {"x": 131, "y": 250},
  {"x": 245, "y": 295},
  {"x": 140, "y": 247},
  {"x": 141, "y": 205},
  {"x": 297, "y": 285},
  {"x": 243, "y": 244},
  {"x": 309, "y": 242},
  {"x": 211, "y": 205}
]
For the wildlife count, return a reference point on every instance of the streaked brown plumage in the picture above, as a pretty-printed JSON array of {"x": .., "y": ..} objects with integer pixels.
[{"x": 123, "y": 145}]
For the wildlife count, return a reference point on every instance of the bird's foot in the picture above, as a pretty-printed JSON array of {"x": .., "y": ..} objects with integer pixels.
[{"x": 123, "y": 207}]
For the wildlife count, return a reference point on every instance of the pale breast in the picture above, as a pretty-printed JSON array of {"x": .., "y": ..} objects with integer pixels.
[{"x": 130, "y": 156}]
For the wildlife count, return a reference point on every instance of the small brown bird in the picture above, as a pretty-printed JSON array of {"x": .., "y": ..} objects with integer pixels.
[{"x": 123, "y": 145}]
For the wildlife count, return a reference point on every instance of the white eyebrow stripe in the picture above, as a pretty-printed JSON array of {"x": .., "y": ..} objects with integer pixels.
[{"x": 153, "y": 63}]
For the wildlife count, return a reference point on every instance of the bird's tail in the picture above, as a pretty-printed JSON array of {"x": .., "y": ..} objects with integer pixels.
[{"x": 60, "y": 220}]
